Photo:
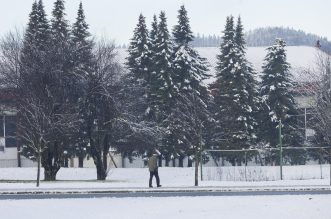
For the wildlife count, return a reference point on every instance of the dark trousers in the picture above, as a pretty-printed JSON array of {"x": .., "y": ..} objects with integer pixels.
[{"x": 156, "y": 174}]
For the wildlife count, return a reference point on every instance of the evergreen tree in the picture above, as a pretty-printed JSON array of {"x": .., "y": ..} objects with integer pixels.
[
  {"x": 163, "y": 90},
  {"x": 59, "y": 91},
  {"x": 82, "y": 45},
  {"x": 60, "y": 26},
  {"x": 278, "y": 102},
  {"x": 35, "y": 66},
  {"x": 154, "y": 76},
  {"x": 60, "y": 40},
  {"x": 153, "y": 32},
  {"x": 138, "y": 60},
  {"x": 82, "y": 60},
  {"x": 31, "y": 30},
  {"x": 37, "y": 32},
  {"x": 139, "y": 66},
  {"x": 163, "y": 87},
  {"x": 182, "y": 31},
  {"x": 153, "y": 47},
  {"x": 190, "y": 70},
  {"x": 247, "y": 87},
  {"x": 32, "y": 86},
  {"x": 235, "y": 93}
]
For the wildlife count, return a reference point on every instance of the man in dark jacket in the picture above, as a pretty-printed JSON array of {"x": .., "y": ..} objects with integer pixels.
[{"x": 153, "y": 168}]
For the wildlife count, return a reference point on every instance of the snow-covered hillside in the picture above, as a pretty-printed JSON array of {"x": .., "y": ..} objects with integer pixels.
[{"x": 300, "y": 57}]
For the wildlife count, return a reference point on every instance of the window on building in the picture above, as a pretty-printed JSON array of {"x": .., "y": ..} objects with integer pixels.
[
  {"x": 10, "y": 131},
  {"x": 1, "y": 126}
]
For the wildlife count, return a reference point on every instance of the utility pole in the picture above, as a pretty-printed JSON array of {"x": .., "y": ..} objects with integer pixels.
[
  {"x": 281, "y": 149},
  {"x": 305, "y": 123},
  {"x": 330, "y": 166},
  {"x": 201, "y": 165}
]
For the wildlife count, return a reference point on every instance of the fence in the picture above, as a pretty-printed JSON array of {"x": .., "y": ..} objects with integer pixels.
[{"x": 265, "y": 165}]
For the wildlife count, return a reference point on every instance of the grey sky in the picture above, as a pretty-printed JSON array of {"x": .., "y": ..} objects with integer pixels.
[{"x": 117, "y": 18}]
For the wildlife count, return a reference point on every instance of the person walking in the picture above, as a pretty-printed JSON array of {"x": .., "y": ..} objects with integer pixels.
[{"x": 153, "y": 167}]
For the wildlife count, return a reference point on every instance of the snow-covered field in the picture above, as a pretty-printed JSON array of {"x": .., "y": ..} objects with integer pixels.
[
  {"x": 248, "y": 207},
  {"x": 84, "y": 178}
]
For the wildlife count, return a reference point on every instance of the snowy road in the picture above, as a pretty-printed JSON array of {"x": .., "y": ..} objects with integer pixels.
[{"x": 162, "y": 194}]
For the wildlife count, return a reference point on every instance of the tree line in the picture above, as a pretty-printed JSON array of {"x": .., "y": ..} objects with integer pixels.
[
  {"x": 73, "y": 98},
  {"x": 234, "y": 112},
  {"x": 266, "y": 37}
]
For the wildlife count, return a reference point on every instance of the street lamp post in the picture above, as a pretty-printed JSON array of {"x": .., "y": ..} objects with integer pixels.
[{"x": 281, "y": 149}]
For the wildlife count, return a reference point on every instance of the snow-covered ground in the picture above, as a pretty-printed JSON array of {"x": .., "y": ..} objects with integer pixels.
[
  {"x": 231, "y": 207},
  {"x": 84, "y": 178},
  {"x": 78, "y": 179}
]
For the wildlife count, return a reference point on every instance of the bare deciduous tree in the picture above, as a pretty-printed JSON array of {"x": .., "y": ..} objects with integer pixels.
[{"x": 317, "y": 91}]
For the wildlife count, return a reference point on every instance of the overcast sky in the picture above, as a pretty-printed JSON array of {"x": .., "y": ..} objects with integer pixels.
[{"x": 116, "y": 19}]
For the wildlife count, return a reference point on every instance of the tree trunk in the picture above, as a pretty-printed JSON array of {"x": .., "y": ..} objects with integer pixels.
[
  {"x": 101, "y": 172},
  {"x": 189, "y": 162},
  {"x": 174, "y": 162},
  {"x": 19, "y": 162},
  {"x": 196, "y": 169},
  {"x": 160, "y": 161},
  {"x": 123, "y": 161},
  {"x": 98, "y": 159},
  {"x": 105, "y": 160},
  {"x": 167, "y": 160},
  {"x": 50, "y": 173},
  {"x": 51, "y": 163},
  {"x": 215, "y": 161},
  {"x": 181, "y": 161},
  {"x": 81, "y": 161},
  {"x": 38, "y": 168},
  {"x": 260, "y": 159},
  {"x": 66, "y": 162}
]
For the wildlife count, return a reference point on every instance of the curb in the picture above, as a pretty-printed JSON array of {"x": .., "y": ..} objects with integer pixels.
[{"x": 164, "y": 190}]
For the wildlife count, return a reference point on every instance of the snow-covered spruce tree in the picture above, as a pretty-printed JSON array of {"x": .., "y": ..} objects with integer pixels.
[
  {"x": 33, "y": 124},
  {"x": 163, "y": 90},
  {"x": 82, "y": 60},
  {"x": 278, "y": 104},
  {"x": 248, "y": 88},
  {"x": 235, "y": 94},
  {"x": 163, "y": 87},
  {"x": 189, "y": 70},
  {"x": 37, "y": 90},
  {"x": 82, "y": 44},
  {"x": 153, "y": 35},
  {"x": 59, "y": 91},
  {"x": 136, "y": 86},
  {"x": 139, "y": 76},
  {"x": 156, "y": 78},
  {"x": 138, "y": 59}
]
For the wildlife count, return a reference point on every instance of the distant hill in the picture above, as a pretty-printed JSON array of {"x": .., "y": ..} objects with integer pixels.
[
  {"x": 300, "y": 57},
  {"x": 266, "y": 37}
]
